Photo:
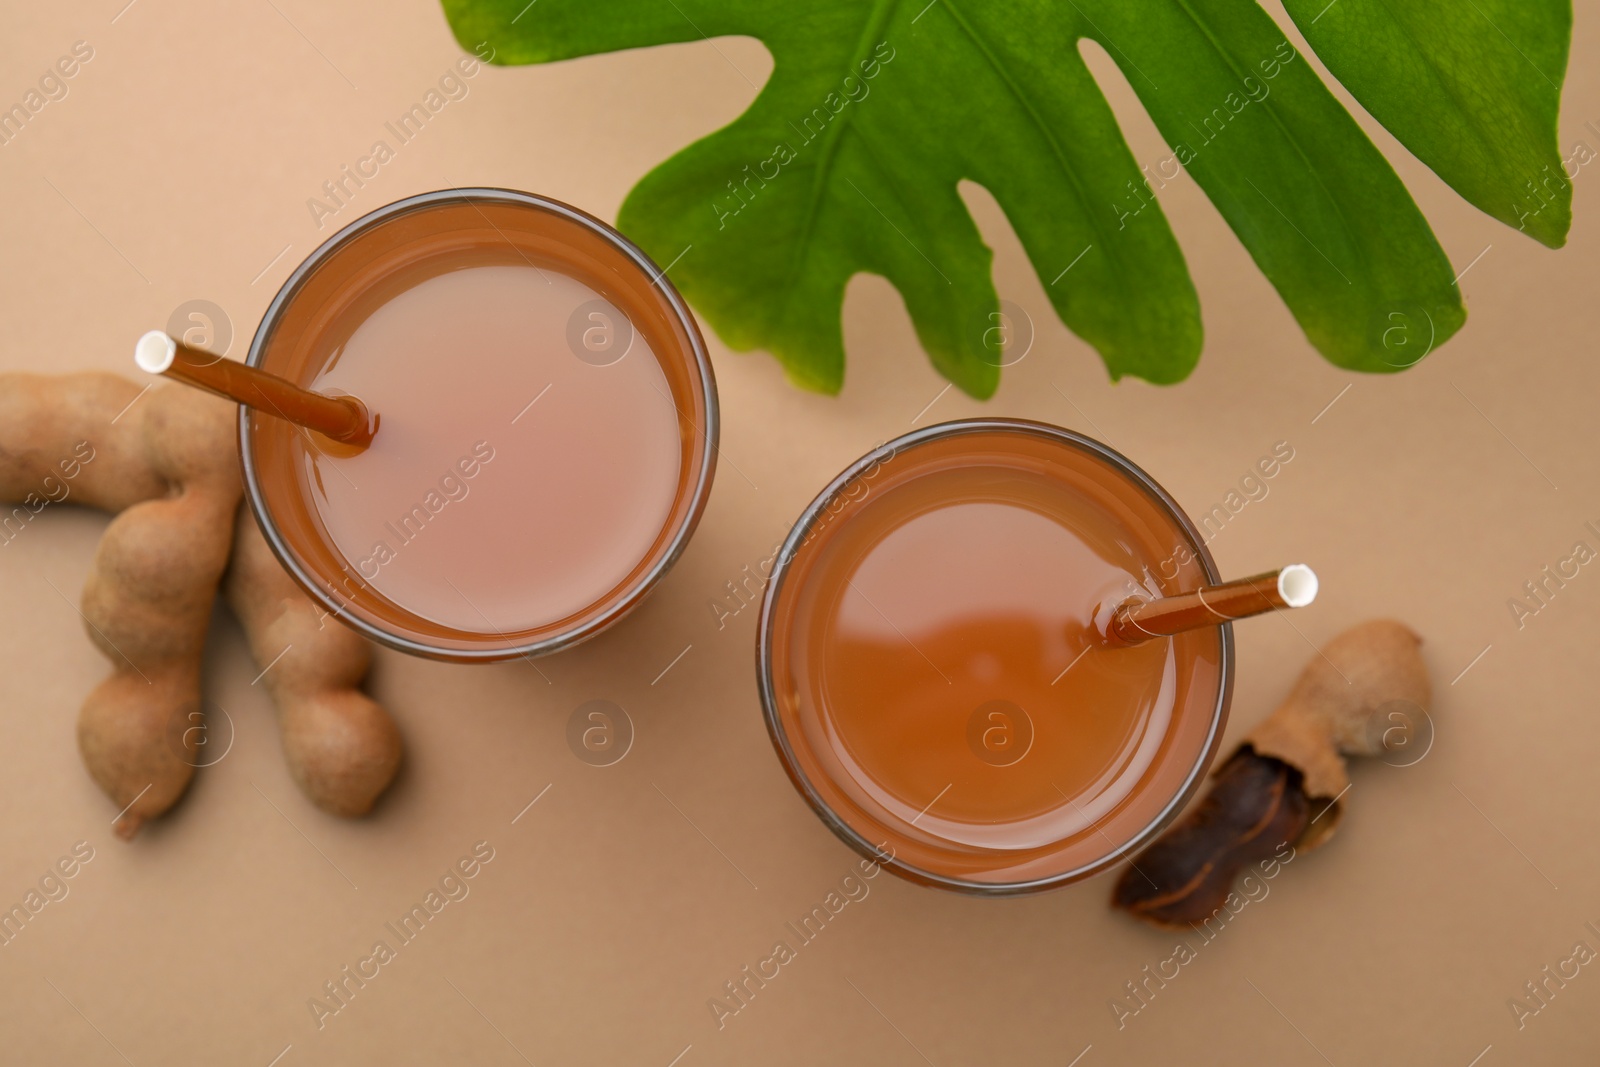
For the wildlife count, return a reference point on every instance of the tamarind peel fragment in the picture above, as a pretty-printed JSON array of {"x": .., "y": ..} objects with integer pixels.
[
  {"x": 1285, "y": 783},
  {"x": 167, "y": 466}
]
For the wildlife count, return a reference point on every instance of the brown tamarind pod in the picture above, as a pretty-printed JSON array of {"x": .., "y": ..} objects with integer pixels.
[
  {"x": 1285, "y": 784},
  {"x": 133, "y": 737},
  {"x": 76, "y": 437},
  {"x": 164, "y": 459},
  {"x": 147, "y": 605},
  {"x": 342, "y": 747}
]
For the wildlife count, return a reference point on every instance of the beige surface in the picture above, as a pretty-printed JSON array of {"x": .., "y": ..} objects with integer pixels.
[{"x": 178, "y": 167}]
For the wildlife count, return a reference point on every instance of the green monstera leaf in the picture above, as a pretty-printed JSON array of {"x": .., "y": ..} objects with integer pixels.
[{"x": 849, "y": 159}]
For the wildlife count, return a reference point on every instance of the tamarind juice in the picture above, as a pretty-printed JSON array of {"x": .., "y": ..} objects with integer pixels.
[
  {"x": 936, "y": 678},
  {"x": 511, "y": 484},
  {"x": 542, "y": 444}
]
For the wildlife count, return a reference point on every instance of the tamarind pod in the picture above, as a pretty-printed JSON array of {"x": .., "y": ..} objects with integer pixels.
[
  {"x": 134, "y": 737},
  {"x": 147, "y": 605},
  {"x": 1367, "y": 684},
  {"x": 75, "y": 437},
  {"x": 1255, "y": 807},
  {"x": 342, "y": 747},
  {"x": 1330, "y": 713}
]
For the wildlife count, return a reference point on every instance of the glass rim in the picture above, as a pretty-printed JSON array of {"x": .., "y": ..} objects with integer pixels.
[
  {"x": 700, "y": 487},
  {"x": 768, "y": 621}
]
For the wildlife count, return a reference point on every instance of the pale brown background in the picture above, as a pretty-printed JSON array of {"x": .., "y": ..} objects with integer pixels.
[{"x": 178, "y": 168}]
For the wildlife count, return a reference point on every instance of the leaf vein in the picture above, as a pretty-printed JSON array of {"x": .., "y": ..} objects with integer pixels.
[
  {"x": 1277, "y": 120},
  {"x": 828, "y": 152},
  {"x": 1037, "y": 119}
]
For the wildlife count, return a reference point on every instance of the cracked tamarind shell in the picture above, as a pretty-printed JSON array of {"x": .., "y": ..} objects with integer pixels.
[
  {"x": 1285, "y": 783},
  {"x": 1254, "y": 806}
]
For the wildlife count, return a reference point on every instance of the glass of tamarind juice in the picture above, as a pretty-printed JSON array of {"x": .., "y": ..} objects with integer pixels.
[
  {"x": 546, "y": 425},
  {"x": 932, "y": 668}
]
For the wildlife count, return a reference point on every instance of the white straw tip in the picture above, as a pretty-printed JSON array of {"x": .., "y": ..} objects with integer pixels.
[
  {"x": 154, "y": 352},
  {"x": 1297, "y": 584}
]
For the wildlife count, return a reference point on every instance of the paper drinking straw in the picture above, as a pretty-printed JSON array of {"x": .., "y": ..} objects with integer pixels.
[
  {"x": 342, "y": 418},
  {"x": 1137, "y": 621}
]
